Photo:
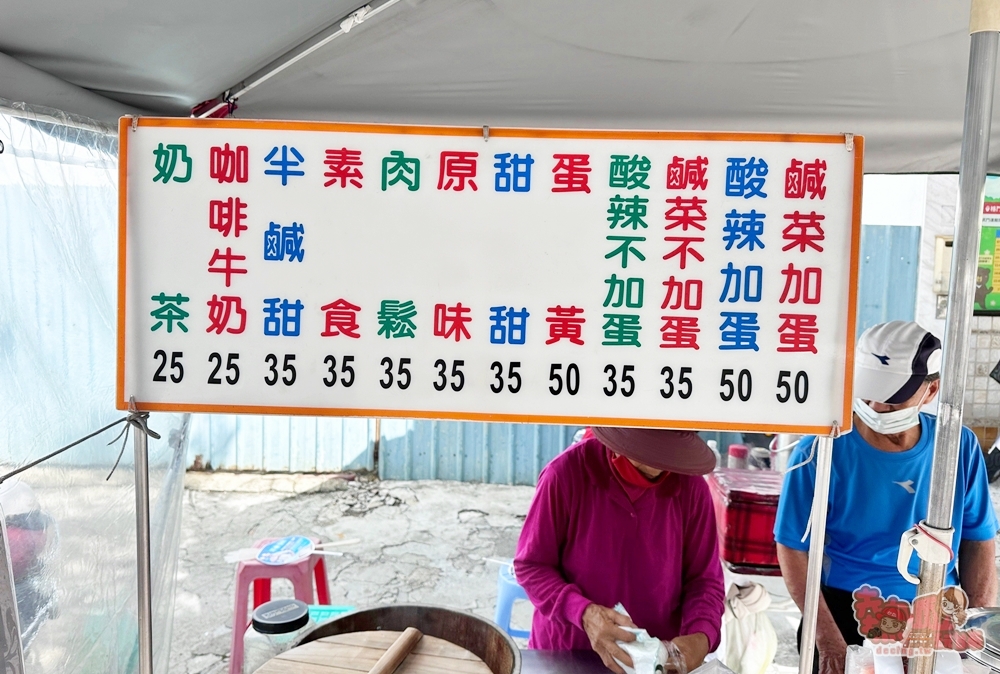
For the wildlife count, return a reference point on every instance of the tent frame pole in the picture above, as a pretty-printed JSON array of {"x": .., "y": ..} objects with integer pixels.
[
  {"x": 817, "y": 539},
  {"x": 955, "y": 351},
  {"x": 142, "y": 539}
]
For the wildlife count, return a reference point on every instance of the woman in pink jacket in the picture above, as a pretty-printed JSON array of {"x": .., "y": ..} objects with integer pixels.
[{"x": 624, "y": 516}]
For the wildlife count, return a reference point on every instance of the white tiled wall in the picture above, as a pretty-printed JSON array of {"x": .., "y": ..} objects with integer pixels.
[{"x": 982, "y": 394}]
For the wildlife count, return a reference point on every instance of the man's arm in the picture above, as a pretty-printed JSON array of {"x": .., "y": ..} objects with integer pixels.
[
  {"x": 830, "y": 642},
  {"x": 978, "y": 572}
]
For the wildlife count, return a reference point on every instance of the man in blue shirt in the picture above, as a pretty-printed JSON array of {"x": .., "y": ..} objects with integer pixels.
[{"x": 879, "y": 486}]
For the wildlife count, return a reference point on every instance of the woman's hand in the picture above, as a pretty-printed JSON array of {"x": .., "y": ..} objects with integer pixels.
[
  {"x": 694, "y": 648},
  {"x": 603, "y": 626}
]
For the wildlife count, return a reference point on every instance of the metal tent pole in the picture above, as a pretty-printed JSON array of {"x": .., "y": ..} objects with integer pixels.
[
  {"x": 142, "y": 538},
  {"x": 955, "y": 351},
  {"x": 143, "y": 558},
  {"x": 817, "y": 538}
]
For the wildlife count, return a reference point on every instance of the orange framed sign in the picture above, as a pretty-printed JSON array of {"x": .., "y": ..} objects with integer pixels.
[{"x": 684, "y": 280}]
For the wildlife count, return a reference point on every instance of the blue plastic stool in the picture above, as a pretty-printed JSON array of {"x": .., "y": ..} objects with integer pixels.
[{"x": 508, "y": 591}]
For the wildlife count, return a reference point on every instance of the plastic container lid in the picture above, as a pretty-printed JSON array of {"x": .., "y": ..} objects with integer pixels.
[
  {"x": 738, "y": 451},
  {"x": 280, "y": 616}
]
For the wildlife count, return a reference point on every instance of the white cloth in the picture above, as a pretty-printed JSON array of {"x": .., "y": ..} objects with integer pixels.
[{"x": 749, "y": 642}]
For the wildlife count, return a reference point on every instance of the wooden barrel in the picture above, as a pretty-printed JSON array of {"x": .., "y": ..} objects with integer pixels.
[{"x": 478, "y": 636}]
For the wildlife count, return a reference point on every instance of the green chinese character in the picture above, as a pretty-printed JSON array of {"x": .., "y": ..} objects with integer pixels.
[
  {"x": 621, "y": 330},
  {"x": 624, "y": 291},
  {"x": 627, "y": 211},
  {"x": 625, "y": 248},
  {"x": 396, "y": 319},
  {"x": 629, "y": 173},
  {"x": 401, "y": 169},
  {"x": 166, "y": 162},
  {"x": 169, "y": 312}
]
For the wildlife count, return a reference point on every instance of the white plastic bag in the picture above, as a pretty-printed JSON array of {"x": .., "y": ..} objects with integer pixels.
[
  {"x": 749, "y": 642},
  {"x": 714, "y": 666},
  {"x": 649, "y": 654}
]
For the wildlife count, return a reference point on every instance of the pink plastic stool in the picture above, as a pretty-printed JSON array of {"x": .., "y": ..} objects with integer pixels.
[{"x": 301, "y": 575}]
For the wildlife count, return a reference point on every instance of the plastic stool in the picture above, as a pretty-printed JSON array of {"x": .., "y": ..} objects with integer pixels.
[
  {"x": 508, "y": 591},
  {"x": 260, "y": 575}
]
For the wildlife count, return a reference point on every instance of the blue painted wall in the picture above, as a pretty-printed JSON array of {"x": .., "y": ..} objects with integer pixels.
[{"x": 887, "y": 283}]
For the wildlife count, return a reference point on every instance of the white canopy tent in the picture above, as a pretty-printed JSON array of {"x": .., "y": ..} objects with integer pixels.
[
  {"x": 894, "y": 71},
  {"x": 891, "y": 70}
]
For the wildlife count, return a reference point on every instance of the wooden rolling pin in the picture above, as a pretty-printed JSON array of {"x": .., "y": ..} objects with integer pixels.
[{"x": 395, "y": 654}]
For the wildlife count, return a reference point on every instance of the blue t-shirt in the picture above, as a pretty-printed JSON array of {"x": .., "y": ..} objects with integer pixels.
[{"x": 874, "y": 497}]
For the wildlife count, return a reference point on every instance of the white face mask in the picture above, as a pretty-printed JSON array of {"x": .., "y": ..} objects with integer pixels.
[{"x": 889, "y": 423}]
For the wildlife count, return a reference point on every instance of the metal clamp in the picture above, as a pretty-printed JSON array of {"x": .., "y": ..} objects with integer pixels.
[
  {"x": 931, "y": 545},
  {"x": 849, "y": 141}
]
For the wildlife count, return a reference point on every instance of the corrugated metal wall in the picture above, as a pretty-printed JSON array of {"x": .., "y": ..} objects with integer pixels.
[
  {"x": 282, "y": 444},
  {"x": 408, "y": 450},
  {"x": 481, "y": 452},
  {"x": 470, "y": 452}
]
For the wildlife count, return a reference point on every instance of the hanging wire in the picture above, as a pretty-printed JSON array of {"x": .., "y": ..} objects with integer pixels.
[{"x": 135, "y": 418}]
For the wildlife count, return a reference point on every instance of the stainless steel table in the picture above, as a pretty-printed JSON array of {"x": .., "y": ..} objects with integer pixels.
[{"x": 561, "y": 662}]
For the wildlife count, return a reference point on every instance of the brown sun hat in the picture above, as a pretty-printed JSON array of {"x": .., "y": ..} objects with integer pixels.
[{"x": 676, "y": 451}]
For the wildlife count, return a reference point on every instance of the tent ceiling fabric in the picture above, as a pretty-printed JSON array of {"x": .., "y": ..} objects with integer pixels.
[{"x": 891, "y": 70}]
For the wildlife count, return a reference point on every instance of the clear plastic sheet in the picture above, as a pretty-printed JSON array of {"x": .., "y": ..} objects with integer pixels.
[{"x": 75, "y": 551}]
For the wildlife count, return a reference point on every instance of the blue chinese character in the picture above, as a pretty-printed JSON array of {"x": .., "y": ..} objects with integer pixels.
[
  {"x": 272, "y": 243},
  {"x": 745, "y": 178},
  {"x": 291, "y": 242},
  {"x": 281, "y": 241},
  {"x": 745, "y": 228},
  {"x": 283, "y": 166},
  {"x": 516, "y": 324},
  {"x": 508, "y": 325},
  {"x": 739, "y": 331},
  {"x": 282, "y": 319},
  {"x": 272, "y": 318},
  {"x": 520, "y": 179},
  {"x": 754, "y": 277}
]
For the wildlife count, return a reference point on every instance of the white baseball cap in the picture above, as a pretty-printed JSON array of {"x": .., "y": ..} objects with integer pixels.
[{"x": 892, "y": 360}]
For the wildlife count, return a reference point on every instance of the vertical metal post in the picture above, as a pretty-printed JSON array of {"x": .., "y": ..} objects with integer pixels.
[
  {"x": 817, "y": 539},
  {"x": 143, "y": 555},
  {"x": 955, "y": 351}
]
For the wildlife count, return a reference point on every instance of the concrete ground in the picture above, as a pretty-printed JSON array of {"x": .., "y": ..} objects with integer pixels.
[{"x": 426, "y": 542}]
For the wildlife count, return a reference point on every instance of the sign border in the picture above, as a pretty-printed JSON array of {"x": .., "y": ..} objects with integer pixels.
[{"x": 125, "y": 124}]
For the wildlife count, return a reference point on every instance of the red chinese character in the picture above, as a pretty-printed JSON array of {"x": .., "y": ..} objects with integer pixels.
[
  {"x": 220, "y": 310},
  {"x": 343, "y": 165},
  {"x": 227, "y": 165},
  {"x": 458, "y": 168},
  {"x": 687, "y": 173},
  {"x": 805, "y": 284},
  {"x": 341, "y": 319},
  {"x": 804, "y": 231},
  {"x": 572, "y": 173},
  {"x": 227, "y": 268},
  {"x": 450, "y": 321},
  {"x": 801, "y": 178},
  {"x": 798, "y": 332},
  {"x": 688, "y": 294},
  {"x": 679, "y": 332},
  {"x": 565, "y": 324},
  {"x": 683, "y": 248},
  {"x": 227, "y": 216},
  {"x": 686, "y": 213}
]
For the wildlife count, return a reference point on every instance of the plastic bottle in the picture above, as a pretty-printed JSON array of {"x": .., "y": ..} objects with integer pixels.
[
  {"x": 737, "y": 456},
  {"x": 276, "y": 626}
]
